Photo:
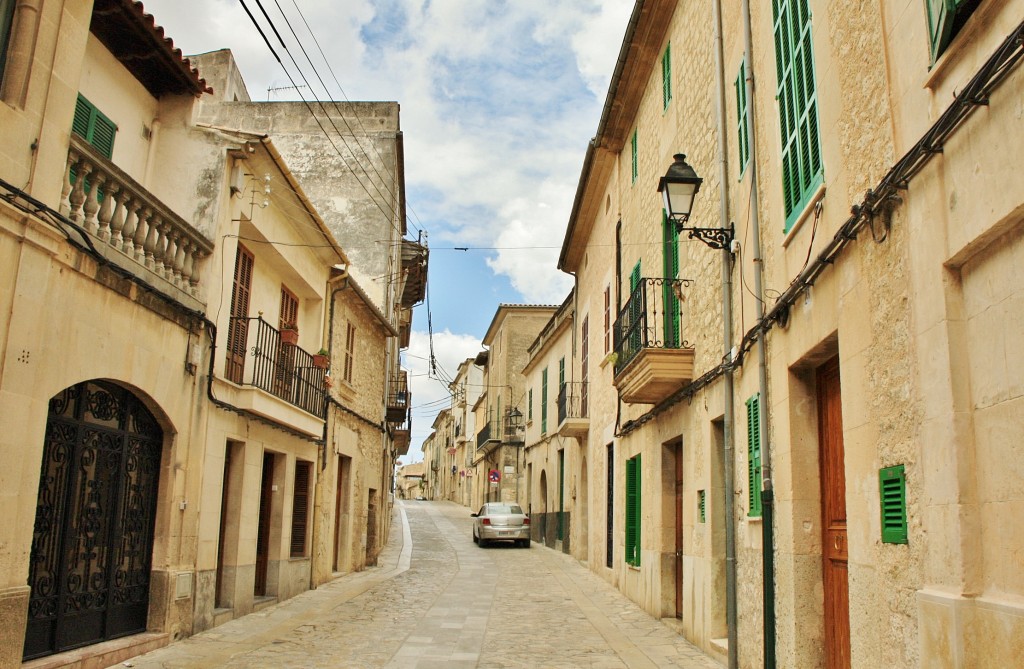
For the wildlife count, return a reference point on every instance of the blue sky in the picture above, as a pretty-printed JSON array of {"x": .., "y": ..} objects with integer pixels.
[{"x": 498, "y": 101}]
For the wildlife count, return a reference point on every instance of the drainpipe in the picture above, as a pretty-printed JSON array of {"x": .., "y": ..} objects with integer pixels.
[
  {"x": 767, "y": 492},
  {"x": 727, "y": 419}
]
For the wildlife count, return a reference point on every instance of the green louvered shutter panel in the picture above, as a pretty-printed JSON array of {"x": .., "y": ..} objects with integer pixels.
[
  {"x": 666, "y": 76},
  {"x": 892, "y": 485},
  {"x": 798, "y": 106},
  {"x": 561, "y": 494},
  {"x": 637, "y": 508},
  {"x": 92, "y": 126},
  {"x": 6, "y": 19},
  {"x": 670, "y": 255},
  {"x": 754, "y": 457},
  {"x": 544, "y": 401},
  {"x": 529, "y": 406},
  {"x": 701, "y": 502},
  {"x": 632, "y": 501},
  {"x": 635, "y": 166},
  {"x": 742, "y": 133}
]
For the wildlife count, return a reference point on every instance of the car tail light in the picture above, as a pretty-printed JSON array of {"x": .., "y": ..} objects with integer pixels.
[
  {"x": 526, "y": 521},
  {"x": 487, "y": 521}
]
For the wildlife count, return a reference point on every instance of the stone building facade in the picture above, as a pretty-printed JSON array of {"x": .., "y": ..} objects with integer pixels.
[{"x": 860, "y": 156}]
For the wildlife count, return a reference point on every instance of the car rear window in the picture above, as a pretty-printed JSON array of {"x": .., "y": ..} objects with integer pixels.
[{"x": 504, "y": 508}]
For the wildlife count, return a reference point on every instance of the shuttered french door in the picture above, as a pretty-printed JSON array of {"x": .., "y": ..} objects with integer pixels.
[{"x": 238, "y": 328}]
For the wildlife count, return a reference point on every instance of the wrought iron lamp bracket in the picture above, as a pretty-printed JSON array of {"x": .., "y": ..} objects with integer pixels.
[{"x": 716, "y": 238}]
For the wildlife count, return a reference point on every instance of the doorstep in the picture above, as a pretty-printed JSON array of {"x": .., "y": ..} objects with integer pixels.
[{"x": 105, "y": 654}]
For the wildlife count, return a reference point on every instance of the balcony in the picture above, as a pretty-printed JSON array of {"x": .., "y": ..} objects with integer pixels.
[
  {"x": 484, "y": 437},
  {"x": 133, "y": 228},
  {"x": 651, "y": 358},
  {"x": 279, "y": 368},
  {"x": 573, "y": 420},
  {"x": 401, "y": 436},
  {"x": 398, "y": 398}
]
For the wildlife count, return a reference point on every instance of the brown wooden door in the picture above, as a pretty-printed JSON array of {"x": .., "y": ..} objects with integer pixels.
[
  {"x": 677, "y": 452},
  {"x": 833, "y": 517},
  {"x": 263, "y": 526},
  {"x": 337, "y": 510}
]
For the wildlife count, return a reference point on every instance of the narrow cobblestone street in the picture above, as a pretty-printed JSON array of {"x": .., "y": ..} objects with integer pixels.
[{"x": 437, "y": 600}]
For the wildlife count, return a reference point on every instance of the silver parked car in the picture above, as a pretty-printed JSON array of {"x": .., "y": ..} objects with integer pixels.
[{"x": 499, "y": 521}]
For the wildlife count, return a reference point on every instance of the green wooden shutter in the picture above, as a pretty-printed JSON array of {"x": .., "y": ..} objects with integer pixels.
[
  {"x": 670, "y": 256},
  {"x": 700, "y": 505},
  {"x": 529, "y": 406},
  {"x": 742, "y": 132},
  {"x": 561, "y": 494},
  {"x": 635, "y": 307},
  {"x": 561, "y": 373},
  {"x": 634, "y": 169},
  {"x": 632, "y": 544},
  {"x": 798, "y": 106},
  {"x": 637, "y": 509},
  {"x": 892, "y": 485},
  {"x": 943, "y": 23},
  {"x": 544, "y": 401},
  {"x": 666, "y": 76},
  {"x": 754, "y": 457},
  {"x": 91, "y": 125}
]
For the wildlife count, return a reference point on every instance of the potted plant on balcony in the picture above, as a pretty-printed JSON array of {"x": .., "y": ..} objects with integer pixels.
[
  {"x": 321, "y": 359},
  {"x": 289, "y": 333}
]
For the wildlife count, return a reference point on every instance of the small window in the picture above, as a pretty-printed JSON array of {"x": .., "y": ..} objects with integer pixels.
[
  {"x": 633, "y": 515},
  {"x": 350, "y": 352},
  {"x": 945, "y": 19},
  {"x": 300, "y": 508},
  {"x": 892, "y": 485},
  {"x": 754, "y": 457},
  {"x": 742, "y": 132},
  {"x": 92, "y": 126},
  {"x": 635, "y": 168},
  {"x": 666, "y": 76}
]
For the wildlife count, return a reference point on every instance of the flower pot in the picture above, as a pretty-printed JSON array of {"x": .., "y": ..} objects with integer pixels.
[
  {"x": 290, "y": 337},
  {"x": 321, "y": 361}
]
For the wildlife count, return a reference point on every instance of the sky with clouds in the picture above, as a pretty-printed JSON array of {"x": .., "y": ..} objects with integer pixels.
[{"x": 498, "y": 101}]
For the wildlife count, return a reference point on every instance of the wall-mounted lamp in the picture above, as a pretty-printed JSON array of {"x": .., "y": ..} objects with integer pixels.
[{"x": 679, "y": 188}]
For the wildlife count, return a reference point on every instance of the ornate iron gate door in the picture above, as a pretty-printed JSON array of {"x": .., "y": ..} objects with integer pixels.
[{"x": 93, "y": 537}]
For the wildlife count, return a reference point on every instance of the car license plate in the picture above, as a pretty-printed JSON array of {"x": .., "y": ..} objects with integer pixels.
[{"x": 505, "y": 533}]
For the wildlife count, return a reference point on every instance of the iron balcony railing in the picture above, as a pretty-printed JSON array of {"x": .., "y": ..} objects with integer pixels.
[
  {"x": 398, "y": 398},
  {"x": 651, "y": 318},
  {"x": 572, "y": 401},
  {"x": 280, "y": 368},
  {"x": 484, "y": 435}
]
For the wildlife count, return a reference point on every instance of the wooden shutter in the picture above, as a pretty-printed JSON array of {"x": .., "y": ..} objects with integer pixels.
[
  {"x": 635, "y": 312},
  {"x": 6, "y": 18},
  {"x": 300, "y": 508},
  {"x": 609, "y": 537},
  {"x": 633, "y": 502},
  {"x": 544, "y": 401},
  {"x": 701, "y": 501},
  {"x": 634, "y": 167},
  {"x": 584, "y": 365},
  {"x": 754, "y": 457},
  {"x": 798, "y": 105},
  {"x": 238, "y": 326},
  {"x": 529, "y": 406},
  {"x": 92, "y": 126},
  {"x": 607, "y": 319},
  {"x": 742, "y": 132},
  {"x": 666, "y": 76},
  {"x": 350, "y": 352},
  {"x": 289, "y": 310},
  {"x": 892, "y": 485},
  {"x": 670, "y": 256},
  {"x": 561, "y": 494}
]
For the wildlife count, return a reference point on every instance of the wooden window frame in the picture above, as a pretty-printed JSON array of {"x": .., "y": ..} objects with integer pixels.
[
  {"x": 301, "y": 508},
  {"x": 802, "y": 163}
]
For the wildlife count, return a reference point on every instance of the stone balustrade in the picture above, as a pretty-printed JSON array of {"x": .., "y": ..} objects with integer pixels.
[{"x": 119, "y": 212}]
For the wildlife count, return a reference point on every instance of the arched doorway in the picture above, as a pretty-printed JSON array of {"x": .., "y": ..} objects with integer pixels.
[{"x": 92, "y": 543}]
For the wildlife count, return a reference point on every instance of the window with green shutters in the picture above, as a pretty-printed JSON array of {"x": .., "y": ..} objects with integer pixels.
[
  {"x": 6, "y": 18},
  {"x": 544, "y": 401},
  {"x": 561, "y": 373},
  {"x": 91, "y": 125},
  {"x": 802, "y": 171},
  {"x": 633, "y": 511},
  {"x": 754, "y": 456},
  {"x": 634, "y": 168},
  {"x": 666, "y": 76},
  {"x": 892, "y": 486},
  {"x": 670, "y": 255},
  {"x": 561, "y": 495},
  {"x": 701, "y": 501},
  {"x": 529, "y": 406},
  {"x": 742, "y": 132},
  {"x": 945, "y": 18}
]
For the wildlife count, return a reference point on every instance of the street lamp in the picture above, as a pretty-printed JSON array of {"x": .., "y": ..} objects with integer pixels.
[
  {"x": 679, "y": 188},
  {"x": 514, "y": 423}
]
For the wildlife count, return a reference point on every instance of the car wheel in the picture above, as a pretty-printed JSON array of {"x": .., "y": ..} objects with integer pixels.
[
  {"x": 475, "y": 540},
  {"x": 525, "y": 543},
  {"x": 482, "y": 542}
]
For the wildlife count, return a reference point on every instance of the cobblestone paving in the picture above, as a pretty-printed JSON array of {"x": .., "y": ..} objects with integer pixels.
[{"x": 437, "y": 600}]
